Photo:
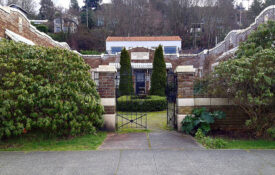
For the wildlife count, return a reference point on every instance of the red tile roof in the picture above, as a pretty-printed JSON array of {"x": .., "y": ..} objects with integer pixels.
[{"x": 144, "y": 38}]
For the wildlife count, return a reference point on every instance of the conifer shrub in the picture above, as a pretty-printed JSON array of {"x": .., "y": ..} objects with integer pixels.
[
  {"x": 46, "y": 89},
  {"x": 126, "y": 82},
  {"x": 158, "y": 81}
]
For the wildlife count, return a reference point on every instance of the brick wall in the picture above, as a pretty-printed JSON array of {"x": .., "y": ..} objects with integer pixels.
[
  {"x": 235, "y": 118},
  {"x": 15, "y": 21},
  {"x": 94, "y": 61},
  {"x": 186, "y": 102},
  {"x": 106, "y": 89}
]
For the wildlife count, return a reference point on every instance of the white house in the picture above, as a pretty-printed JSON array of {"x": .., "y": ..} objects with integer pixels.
[
  {"x": 63, "y": 24},
  {"x": 171, "y": 44}
]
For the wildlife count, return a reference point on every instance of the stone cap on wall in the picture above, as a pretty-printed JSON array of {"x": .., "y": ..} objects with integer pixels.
[
  {"x": 105, "y": 68},
  {"x": 185, "y": 69}
]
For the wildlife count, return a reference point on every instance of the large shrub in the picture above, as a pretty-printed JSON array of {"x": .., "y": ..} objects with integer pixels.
[
  {"x": 200, "y": 119},
  {"x": 126, "y": 81},
  {"x": 135, "y": 104},
  {"x": 249, "y": 79},
  {"x": 47, "y": 89},
  {"x": 158, "y": 81},
  {"x": 208, "y": 142}
]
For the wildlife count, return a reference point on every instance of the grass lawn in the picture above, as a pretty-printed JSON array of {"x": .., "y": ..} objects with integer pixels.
[
  {"x": 132, "y": 130},
  {"x": 249, "y": 144},
  {"x": 155, "y": 121},
  {"x": 38, "y": 142},
  {"x": 226, "y": 143}
]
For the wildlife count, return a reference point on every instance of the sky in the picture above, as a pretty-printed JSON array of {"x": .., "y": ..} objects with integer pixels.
[{"x": 65, "y": 3}]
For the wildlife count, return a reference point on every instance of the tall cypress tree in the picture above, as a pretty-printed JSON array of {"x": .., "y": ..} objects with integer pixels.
[
  {"x": 126, "y": 81},
  {"x": 158, "y": 81}
]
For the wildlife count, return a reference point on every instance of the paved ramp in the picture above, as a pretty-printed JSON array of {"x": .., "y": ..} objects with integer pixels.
[{"x": 161, "y": 140}]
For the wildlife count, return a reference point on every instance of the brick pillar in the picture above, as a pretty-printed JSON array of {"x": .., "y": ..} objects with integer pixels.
[
  {"x": 107, "y": 91},
  {"x": 185, "y": 97}
]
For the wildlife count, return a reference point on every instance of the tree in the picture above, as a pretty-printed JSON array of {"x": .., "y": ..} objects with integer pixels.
[
  {"x": 92, "y": 3},
  {"x": 74, "y": 7},
  {"x": 158, "y": 81},
  {"x": 255, "y": 8},
  {"x": 47, "y": 10},
  {"x": 269, "y": 2},
  {"x": 87, "y": 12},
  {"x": 89, "y": 21},
  {"x": 249, "y": 78},
  {"x": 28, "y": 5},
  {"x": 126, "y": 81},
  {"x": 2, "y": 2}
]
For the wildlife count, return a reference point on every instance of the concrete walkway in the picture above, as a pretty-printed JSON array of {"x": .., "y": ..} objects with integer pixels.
[
  {"x": 139, "y": 162},
  {"x": 155, "y": 140}
]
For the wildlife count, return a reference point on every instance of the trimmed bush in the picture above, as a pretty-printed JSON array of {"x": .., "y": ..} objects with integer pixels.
[
  {"x": 158, "y": 83},
  {"x": 42, "y": 28},
  {"x": 135, "y": 104},
  {"x": 90, "y": 52},
  {"x": 48, "y": 89}
]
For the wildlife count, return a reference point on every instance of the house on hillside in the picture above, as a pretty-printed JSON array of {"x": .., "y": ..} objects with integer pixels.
[
  {"x": 66, "y": 24},
  {"x": 171, "y": 44},
  {"x": 19, "y": 8},
  {"x": 141, "y": 50}
]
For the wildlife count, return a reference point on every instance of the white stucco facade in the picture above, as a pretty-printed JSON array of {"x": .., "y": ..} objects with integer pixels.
[{"x": 146, "y": 44}]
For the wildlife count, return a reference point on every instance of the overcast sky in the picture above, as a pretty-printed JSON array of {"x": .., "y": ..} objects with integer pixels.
[{"x": 65, "y": 3}]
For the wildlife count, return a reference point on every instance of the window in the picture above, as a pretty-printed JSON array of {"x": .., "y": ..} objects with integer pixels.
[
  {"x": 58, "y": 20},
  {"x": 57, "y": 29},
  {"x": 170, "y": 50},
  {"x": 116, "y": 50},
  {"x": 100, "y": 21},
  {"x": 95, "y": 77},
  {"x": 117, "y": 79}
]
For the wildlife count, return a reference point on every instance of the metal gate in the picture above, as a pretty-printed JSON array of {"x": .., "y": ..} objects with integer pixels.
[
  {"x": 171, "y": 95},
  {"x": 128, "y": 114}
]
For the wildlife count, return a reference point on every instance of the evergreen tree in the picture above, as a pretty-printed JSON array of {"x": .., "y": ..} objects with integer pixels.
[
  {"x": 83, "y": 17},
  {"x": 126, "y": 81},
  {"x": 269, "y": 2},
  {"x": 92, "y": 3},
  {"x": 74, "y": 5},
  {"x": 47, "y": 9},
  {"x": 256, "y": 8},
  {"x": 158, "y": 81},
  {"x": 87, "y": 12}
]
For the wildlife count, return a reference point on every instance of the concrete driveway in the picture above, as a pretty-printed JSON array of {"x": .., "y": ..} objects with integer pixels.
[
  {"x": 160, "y": 140},
  {"x": 143, "y": 162}
]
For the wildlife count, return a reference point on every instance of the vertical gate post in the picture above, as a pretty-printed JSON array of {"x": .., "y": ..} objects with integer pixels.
[
  {"x": 106, "y": 87},
  {"x": 185, "y": 96}
]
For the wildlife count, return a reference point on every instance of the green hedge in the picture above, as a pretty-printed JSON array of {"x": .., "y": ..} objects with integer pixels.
[
  {"x": 146, "y": 104},
  {"x": 47, "y": 89}
]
